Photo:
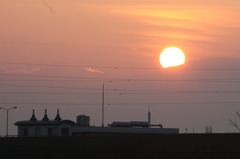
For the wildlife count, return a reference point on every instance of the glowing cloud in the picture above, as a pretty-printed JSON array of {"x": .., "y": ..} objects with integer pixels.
[
  {"x": 93, "y": 70},
  {"x": 19, "y": 71}
]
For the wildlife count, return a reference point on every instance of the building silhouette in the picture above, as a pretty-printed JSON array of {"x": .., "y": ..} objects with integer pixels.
[
  {"x": 45, "y": 127},
  {"x": 59, "y": 127}
]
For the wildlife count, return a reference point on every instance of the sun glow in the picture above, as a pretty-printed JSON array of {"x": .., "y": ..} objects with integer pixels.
[{"x": 171, "y": 56}]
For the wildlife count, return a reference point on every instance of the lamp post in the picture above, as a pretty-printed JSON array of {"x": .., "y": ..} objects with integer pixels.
[{"x": 7, "y": 110}]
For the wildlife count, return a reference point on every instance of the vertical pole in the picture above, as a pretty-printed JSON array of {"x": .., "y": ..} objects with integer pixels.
[
  {"x": 7, "y": 117},
  {"x": 149, "y": 116},
  {"x": 7, "y": 125},
  {"x": 103, "y": 106}
]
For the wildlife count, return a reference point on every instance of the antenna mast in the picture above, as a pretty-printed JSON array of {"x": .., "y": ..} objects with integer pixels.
[{"x": 103, "y": 105}]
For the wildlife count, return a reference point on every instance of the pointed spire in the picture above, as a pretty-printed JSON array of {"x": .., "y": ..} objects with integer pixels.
[
  {"x": 45, "y": 118},
  {"x": 58, "y": 118},
  {"x": 33, "y": 118}
]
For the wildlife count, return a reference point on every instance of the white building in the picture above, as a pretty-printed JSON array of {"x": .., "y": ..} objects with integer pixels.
[
  {"x": 83, "y": 120},
  {"x": 45, "y": 127}
]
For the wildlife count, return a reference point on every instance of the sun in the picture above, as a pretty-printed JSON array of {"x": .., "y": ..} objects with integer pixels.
[{"x": 171, "y": 56}]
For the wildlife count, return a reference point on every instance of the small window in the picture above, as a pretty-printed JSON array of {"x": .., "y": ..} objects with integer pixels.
[
  {"x": 37, "y": 131},
  {"x": 65, "y": 131},
  {"x": 50, "y": 131},
  {"x": 25, "y": 132}
]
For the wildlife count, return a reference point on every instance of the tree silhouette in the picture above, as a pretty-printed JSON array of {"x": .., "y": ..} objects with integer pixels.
[
  {"x": 208, "y": 129},
  {"x": 234, "y": 122}
]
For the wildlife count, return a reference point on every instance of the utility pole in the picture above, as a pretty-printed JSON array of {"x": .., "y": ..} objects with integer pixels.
[
  {"x": 149, "y": 115},
  {"x": 103, "y": 105},
  {"x": 7, "y": 110}
]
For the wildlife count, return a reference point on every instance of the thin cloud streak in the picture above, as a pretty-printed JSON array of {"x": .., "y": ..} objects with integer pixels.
[
  {"x": 19, "y": 71},
  {"x": 48, "y": 7},
  {"x": 93, "y": 70},
  {"x": 183, "y": 25}
]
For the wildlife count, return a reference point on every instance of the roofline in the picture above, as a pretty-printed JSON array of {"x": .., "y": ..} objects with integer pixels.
[{"x": 40, "y": 122}]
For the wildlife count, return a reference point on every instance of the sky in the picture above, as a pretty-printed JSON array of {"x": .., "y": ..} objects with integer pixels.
[{"x": 58, "y": 53}]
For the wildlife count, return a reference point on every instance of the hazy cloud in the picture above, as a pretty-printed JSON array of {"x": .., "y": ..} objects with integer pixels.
[
  {"x": 93, "y": 70},
  {"x": 19, "y": 71},
  {"x": 48, "y": 7}
]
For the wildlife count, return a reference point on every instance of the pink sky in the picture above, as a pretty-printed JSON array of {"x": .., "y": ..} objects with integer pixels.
[{"x": 80, "y": 44}]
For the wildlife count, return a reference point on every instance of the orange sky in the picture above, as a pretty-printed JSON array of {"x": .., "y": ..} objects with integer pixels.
[
  {"x": 149, "y": 26},
  {"x": 43, "y": 34}
]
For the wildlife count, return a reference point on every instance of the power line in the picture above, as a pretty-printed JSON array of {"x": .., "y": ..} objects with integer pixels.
[
  {"x": 176, "y": 103},
  {"x": 81, "y": 78},
  {"x": 46, "y": 76},
  {"x": 185, "y": 92},
  {"x": 45, "y": 86},
  {"x": 118, "y": 67},
  {"x": 48, "y": 93},
  {"x": 44, "y": 80},
  {"x": 87, "y": 79},
  {"x": 114, "y": 91},
  {"x": 123, "y": 93},
  {"x": 47, "y": 103},
  {"x": 80, "y": 66},
  {"x": 121, "y": 104}
]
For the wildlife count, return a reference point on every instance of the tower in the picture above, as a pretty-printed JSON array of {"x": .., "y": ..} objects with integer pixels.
[
  {"x": 45, "y": 118},
  {"x": 58, "y": 118},
  {"x": 33, "y": 118},
  {"x": 149, "y": 115}
]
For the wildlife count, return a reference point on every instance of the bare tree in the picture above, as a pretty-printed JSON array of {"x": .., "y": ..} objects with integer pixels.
[
  {"x": 234, "y": 122},
  {"x": 208, "y": 129}
]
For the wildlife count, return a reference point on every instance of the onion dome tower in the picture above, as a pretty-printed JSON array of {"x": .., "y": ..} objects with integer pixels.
[
  {"x": 33, "y": 118},
  {"x": 58, "y": 118},
  {"x": 45, "y": 118}
]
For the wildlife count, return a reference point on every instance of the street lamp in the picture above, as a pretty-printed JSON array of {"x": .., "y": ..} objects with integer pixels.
[{"x": 7, "y": 109}]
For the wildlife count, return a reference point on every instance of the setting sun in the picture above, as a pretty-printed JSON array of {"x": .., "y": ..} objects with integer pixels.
[{"x": 171, "y": 56}]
